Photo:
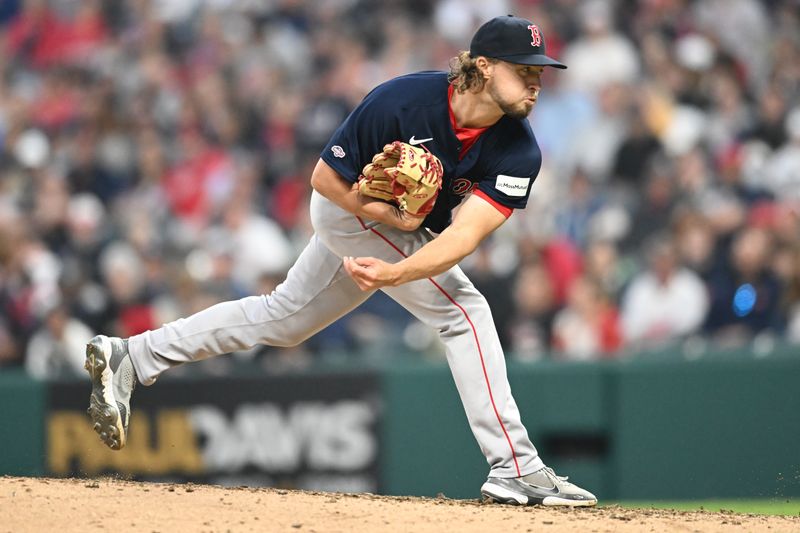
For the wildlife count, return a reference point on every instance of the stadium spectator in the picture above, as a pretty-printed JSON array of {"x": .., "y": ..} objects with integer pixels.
[
  {"x": 138, "y": 137},
  {"x": 666, "y": 302},
  {"x": 588, "y": 326},
  {"x": 576, "y": 213},
  {"x": 696, "y": 242},
  {"x": 594, "y": 146},
  {"x": 632, "y": 157},
  {"x": 58, "y": 347},
  {"x": 783, "y": 168},
  {"x": 607, "y": 268},
  {"x": 792, "y": 299},
  {"x": 745, "y": 293},
  {"x": 497, "y": 286},
  {"x": 534, "y": 302},
  {"x": 652, "y": 210},
  {"x": 601, "y": 55}
]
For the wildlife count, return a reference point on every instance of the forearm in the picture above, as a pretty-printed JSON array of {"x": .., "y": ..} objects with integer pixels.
[
  {"x": 439, "y": 255},
  {"x": 332, "y": 186},
  {"x": 475, "y": 220}
]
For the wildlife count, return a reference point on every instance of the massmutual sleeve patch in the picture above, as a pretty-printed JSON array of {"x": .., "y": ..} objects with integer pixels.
[
  {"x": 512, "y": 186},
  {"x": 512, "y": 168},
  {"x": 510, "y": 192}
]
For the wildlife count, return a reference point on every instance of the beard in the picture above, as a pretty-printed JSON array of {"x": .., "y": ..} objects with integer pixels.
[{"x": 518, "y": 110}]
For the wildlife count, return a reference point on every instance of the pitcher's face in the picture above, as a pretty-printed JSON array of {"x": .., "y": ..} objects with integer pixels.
[{"x": 515, "y": 88}]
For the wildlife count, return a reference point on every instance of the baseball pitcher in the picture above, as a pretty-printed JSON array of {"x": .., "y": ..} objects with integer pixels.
[{"x": 384, "y": 189}]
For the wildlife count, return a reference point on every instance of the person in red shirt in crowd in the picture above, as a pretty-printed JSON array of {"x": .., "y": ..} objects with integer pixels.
[{"x": 588, "y": 326}]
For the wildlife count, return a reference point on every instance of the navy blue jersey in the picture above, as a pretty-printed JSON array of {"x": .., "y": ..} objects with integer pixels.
[{"x": 502, "y": 164}]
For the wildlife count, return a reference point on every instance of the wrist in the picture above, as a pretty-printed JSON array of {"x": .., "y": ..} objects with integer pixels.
[
  {"x": 355, "y": 203},
  {"x": 396, "y": 274}
]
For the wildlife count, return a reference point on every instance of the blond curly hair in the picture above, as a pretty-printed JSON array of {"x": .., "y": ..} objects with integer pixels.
[{"x": 465, "y": 74}]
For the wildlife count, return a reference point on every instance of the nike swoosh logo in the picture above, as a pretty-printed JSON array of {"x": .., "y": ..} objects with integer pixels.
[
  {"x": 553, "y": 490},
  {"x": 413, "y": 142}
]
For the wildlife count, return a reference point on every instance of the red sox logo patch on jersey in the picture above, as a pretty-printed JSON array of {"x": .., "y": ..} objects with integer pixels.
[
  {"x": 462, "y": 186},
  {"x": 536, "y": 36},
  {"x": 338, "y": 151}
]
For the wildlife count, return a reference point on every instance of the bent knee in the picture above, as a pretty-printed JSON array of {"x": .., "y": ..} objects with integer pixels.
[{"x": 287, "y": 341}]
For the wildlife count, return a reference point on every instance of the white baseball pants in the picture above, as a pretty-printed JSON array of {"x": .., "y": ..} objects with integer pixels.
[{"x": 317, "y": 291}]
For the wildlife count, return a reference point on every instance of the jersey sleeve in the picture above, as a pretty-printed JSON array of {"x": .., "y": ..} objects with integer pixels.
[
  {"x": 507, "y": 184},
  {"x": 363, "y": 134}
]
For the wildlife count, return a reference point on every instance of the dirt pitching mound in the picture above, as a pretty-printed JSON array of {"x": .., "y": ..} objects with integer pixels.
[{"x": 80, "y": 505}]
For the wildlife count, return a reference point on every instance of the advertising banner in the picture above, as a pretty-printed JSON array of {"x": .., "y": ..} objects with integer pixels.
[{"x": 292, "y": 431}]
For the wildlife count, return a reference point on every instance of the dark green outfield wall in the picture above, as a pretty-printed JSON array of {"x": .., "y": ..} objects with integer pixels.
[
  {"x": 635, "y": 429},
  {"x": 22, "y": 418},
  {"x": 430, "y": 449},
  {"x": 721, "y": 429},
  {"x": 627, "y": 430}
]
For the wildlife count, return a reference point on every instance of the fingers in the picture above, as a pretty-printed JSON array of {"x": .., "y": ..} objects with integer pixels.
[
  {"x": 368, "y": 273},
  {"x": 360, "y": 264},
  {"x": 357, "y": 269}
]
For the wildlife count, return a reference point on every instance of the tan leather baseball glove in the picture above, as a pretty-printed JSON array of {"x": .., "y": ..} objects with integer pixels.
[{"x": 407, "y": 175}]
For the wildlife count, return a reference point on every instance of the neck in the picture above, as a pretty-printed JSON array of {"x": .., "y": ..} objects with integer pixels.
[{"x": 474, "y": 110}]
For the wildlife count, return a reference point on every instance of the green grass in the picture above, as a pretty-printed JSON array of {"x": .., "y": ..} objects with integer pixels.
[{"x": 777, "y": 506}]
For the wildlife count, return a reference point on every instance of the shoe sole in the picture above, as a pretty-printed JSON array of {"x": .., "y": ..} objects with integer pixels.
[
  {"x": 102, "y": 404},
  {"x": 495, "y": 494}
]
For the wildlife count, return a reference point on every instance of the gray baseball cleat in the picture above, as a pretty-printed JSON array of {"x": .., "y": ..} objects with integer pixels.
[
  {"x": 113, "y": 379},
  {"x": 543, "y": 487}
]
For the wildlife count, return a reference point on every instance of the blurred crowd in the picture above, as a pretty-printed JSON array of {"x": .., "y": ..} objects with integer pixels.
[{"x": 155, "y": 159}]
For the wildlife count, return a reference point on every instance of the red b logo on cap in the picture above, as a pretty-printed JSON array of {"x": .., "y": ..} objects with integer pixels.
[{"x": 536, "y": 37}]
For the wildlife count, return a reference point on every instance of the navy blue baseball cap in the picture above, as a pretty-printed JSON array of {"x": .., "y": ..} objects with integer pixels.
[{"x": 512, "y": 39}]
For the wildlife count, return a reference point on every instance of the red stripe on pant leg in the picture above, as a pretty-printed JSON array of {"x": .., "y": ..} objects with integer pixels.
[{"x": 477, "y": 342}]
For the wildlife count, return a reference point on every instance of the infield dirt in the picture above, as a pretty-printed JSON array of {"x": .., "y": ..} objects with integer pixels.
[{"x": 81, "y": 505}]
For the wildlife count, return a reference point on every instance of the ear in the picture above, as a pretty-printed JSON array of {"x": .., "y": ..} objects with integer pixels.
[{"x": 486, "y": 68}]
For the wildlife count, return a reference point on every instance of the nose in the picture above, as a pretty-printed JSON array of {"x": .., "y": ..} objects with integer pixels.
[{"x": 535, "y": 82}]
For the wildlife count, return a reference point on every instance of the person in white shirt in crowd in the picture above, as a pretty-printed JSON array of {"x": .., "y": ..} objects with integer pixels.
[
  {"x": 58, "y": 347},
  {"x": 602, "y": 55},
  {"x": 664, "y": 303}
]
